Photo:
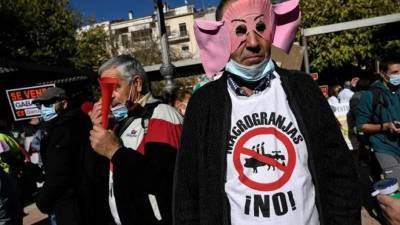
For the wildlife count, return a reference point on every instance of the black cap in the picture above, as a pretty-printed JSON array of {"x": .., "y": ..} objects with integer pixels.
[{"x": 51, "y": 95}]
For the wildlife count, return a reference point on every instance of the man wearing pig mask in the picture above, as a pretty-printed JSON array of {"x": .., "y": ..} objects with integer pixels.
[{"x": 260, "y": 145}]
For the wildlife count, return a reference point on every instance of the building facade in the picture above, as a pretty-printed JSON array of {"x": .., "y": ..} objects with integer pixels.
[{"x": 133, "y": 34}]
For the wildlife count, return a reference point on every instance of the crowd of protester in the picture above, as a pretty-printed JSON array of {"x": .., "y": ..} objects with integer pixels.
[{"x": 372, "y": 118}]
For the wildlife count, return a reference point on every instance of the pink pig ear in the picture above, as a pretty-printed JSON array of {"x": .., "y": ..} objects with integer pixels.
[
  {"x": 287, "y": 20},
  {"x": 213, "y": 40}
]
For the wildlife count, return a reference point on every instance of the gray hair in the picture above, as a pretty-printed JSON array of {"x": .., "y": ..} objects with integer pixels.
[
  {"x": 128, "y": 67},
  {"x": 347, "y": 84}
]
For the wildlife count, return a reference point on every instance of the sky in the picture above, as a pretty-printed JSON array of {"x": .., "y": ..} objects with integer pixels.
[{"x": 104, "y": 10}]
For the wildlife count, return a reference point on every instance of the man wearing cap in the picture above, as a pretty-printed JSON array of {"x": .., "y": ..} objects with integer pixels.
[
  {"x": 62, "y": 150},
  {"x": 260, "y": 145}
]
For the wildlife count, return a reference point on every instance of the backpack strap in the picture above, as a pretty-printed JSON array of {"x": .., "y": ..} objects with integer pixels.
[
  {"x": 377, "y": 99},
  {"x": 148, "y": 113},
  {"x": 376, "y": 94},
  {"x": 144, "y": 115},
  {"x": 125, "y": 125}
]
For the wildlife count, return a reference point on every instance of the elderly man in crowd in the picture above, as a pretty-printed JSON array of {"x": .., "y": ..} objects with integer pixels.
[{"x": 141, "y": 149}]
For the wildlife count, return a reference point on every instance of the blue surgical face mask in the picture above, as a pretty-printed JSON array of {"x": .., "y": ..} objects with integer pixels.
[
  {"x": 119, "y": 112},
  {"x": 251, "y": 73},
  {"x": 395, "y": 79},
  {"x": 48, "y": 112}
]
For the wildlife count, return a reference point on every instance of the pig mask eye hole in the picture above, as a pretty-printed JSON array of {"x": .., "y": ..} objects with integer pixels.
[
  {"x": 260, "y": 26},
  {"x": 241, "y": 30}
]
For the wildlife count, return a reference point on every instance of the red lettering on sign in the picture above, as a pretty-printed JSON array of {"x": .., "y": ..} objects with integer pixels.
[
  {"x": 34, "y": 93},
  {"x": 16, "y": 96},
  {"x": 20, "y": 113}
]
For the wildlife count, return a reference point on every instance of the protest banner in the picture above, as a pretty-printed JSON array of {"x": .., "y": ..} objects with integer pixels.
[
  {"x": 20, "y": 100},
  {"x": 341, "y": 110}
]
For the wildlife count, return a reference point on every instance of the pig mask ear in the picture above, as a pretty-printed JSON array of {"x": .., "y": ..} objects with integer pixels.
[
  {"x": 214, "y": 43},
  {"x": 287, "y": 21}
]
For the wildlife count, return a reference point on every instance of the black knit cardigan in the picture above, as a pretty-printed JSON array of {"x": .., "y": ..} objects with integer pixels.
[{"x": 199, "y": 197}]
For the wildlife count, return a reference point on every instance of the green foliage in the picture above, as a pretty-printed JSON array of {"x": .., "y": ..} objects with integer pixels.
[
  {"x": 392, "y": 48},
  {"x": 91, "y": 48},
  {"x": 37, "y": 30},
  {"x": 147, "y": 52},
  {"x": 45, "y": 31},
  {"x": 359, "y": 47}
]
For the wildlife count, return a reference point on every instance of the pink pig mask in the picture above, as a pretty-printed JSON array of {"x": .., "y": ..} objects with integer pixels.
[
  {"x": 217, "y": 40},
  {"x": 243, "y": 17}
]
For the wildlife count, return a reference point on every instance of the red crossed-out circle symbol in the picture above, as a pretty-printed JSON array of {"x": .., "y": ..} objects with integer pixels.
[{"x": 287, "y": 170}]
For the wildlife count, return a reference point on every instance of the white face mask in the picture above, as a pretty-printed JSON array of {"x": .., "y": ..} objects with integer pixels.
[
  {"x": 48, "y": 112},
  {"x": 251, "y": 73},
  {"x": 119, "y": 112},
  {"x": 394, "y": 79}
]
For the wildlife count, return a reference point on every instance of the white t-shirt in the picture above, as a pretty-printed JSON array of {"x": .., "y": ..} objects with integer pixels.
[
  {"x": 333, "y": 100},
  {"x": 268, "y": 180}
]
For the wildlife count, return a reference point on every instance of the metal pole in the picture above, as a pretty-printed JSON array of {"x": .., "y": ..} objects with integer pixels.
[
  {"x": 377, "y": 65},
  {"x": 304, "y": 43},
  {"x": 166, "y": 69},
  {"x": 111, "y": 41}
]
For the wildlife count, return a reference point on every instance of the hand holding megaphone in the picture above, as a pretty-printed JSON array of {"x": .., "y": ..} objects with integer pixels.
[
  {"x": 107, "y": 85},
  {"x": 95, "y": 113}
]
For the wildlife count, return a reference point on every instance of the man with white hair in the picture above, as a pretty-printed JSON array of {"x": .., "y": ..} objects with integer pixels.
[
  {"x": 260, "y": 145},
  {"x": 141, "y": 148}
]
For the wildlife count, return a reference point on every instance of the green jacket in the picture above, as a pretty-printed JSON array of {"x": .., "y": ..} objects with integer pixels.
[
  {"x": 11, "y": 142},
  {"x": 386, "y": 110},
  {"x": 14, "y": 150}
]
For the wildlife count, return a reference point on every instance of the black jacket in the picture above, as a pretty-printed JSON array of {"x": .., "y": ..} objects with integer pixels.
[
  {"x": 199, "y": 194},
  {"x": 76, "y": 178},
  {"x": 136, "y": 176}
]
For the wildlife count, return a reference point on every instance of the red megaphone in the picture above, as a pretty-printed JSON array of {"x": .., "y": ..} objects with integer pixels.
[{"x": 107, "y": 86}]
